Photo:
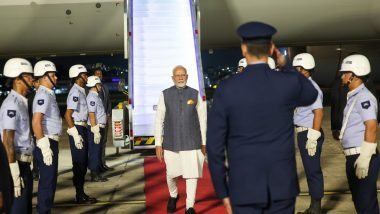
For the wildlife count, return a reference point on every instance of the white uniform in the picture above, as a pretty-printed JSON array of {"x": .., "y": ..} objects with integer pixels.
[{"x": 14, "y": 116}]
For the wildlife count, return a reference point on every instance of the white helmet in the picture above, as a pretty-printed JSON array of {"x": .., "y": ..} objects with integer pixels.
[
  {"x": 42, "y": 67},
  {"x": 92, "y": 81},
  {"x": 304, "y": 60},
  {"x": 271, "y": 63},
  {"x": 16, "y": 66},
  {"x": 75, "y": 70},
  {"x": 242, "y": 63},
  {"x": 357, "y": 64}
]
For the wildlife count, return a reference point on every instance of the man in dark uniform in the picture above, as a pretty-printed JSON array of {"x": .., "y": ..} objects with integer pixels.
[
  {"x": 104, "y": 95},
  {"x": 252, "y": 120}
]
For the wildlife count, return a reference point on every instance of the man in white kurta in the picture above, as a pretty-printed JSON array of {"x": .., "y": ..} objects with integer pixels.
[{"x": 180, "y": 136}]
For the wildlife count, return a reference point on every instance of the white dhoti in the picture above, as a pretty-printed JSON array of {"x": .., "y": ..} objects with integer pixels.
[{"x": 189, "y": 164}]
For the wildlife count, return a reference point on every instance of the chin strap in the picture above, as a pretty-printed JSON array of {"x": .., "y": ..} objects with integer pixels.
[
  {"x": 51, "y": 81},
  {"x": 26, "y": 83},
  {"x": 81, "y": 77}
]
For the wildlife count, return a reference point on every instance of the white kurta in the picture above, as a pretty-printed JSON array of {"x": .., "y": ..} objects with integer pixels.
[{"x": 189, "y": 164}]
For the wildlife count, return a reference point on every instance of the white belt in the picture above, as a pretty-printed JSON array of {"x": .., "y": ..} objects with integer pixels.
[
  {"x": 301, "y": 129},
  {"x": 24, "y": 158},
  {"x": 351, "y": 151},
  {"x": 102, "y": 125},
  {"x": 80, "y": 123},
  {"x": 53, "y": 137}
]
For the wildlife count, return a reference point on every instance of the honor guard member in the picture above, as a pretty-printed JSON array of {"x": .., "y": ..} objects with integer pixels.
[
  {"x": 338, "y": 94},
  {"x": 242, "y": 64},
  {"x": 15, "y": 132},
  {"x": 358, "y": 135},
  {"x": 97, "y": 119},
  {"x": 252, "y": 121},
  {"x": 181, "y": 143},
  {"x": 308, "y": 126},
  {"x": 47, "y": 126},
  {"x": 76, "y": 116}
]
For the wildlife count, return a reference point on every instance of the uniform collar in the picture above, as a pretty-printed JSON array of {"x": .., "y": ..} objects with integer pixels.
[
  {"x": 46, "y": 89},
  {"x": 81, "y": 89},
  {"x": 97, "y": 94},
  {"x": 355, "y": 91},
  {"x": 309, "y": 78},
  {"x": 19, "y": 96}
]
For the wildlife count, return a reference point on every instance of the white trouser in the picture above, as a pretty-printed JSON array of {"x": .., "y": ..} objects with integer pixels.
[{"x": 191, "y": 188}]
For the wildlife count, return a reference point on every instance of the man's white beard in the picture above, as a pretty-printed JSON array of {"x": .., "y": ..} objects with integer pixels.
[{"x": 180, "y": 85}]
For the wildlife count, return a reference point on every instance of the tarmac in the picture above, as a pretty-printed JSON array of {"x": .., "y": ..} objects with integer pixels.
[{"x": 124, "y": 192}]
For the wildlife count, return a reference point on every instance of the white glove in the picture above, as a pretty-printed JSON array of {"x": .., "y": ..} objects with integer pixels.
[
  {"x": 96, "y": 131},
  {"x": 311, "y": 143},
  {"x": 47, "y": 154},
  {"x": 18, "y": 183},
  {"x": 78, "y": 140},
  {"x": 362, "y": 163}
]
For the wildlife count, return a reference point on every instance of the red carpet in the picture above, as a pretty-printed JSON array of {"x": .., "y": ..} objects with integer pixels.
[{"x": 157, "y": 194}]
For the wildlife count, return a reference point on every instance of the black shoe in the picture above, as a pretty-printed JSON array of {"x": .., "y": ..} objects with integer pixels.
[
  {"x": 172, "y": 204},
  {"x": 108, "y": 168},
  {"x": 94, "y": 200},
  {"x": 102, "y": 169},
  {"x": 84, "y": 199},
  {"x": 96, "y": 177},
  {"x": 190, "y": 211},
  {"x": 310, "y": 211},
  {"x": 314, "y": 208},
  {"x": 304, "y": 212}
]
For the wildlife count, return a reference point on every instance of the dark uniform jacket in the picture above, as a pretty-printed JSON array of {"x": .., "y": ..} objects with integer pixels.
[
  {"x": 104, "y": 95},
  {"x": 252, "y": 117}
]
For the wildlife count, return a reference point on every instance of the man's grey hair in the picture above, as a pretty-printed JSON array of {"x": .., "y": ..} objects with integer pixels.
[{"x": 179, "y": 67}]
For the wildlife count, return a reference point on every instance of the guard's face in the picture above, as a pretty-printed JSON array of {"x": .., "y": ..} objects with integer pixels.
[
  {"x": 302, "y": 71},
  {"x": 180, "y": 78},
  {"x": 240, "y": 69},
  {"x": 98, "y": 86},
  {"x": 346, "y": 77},
  {"x": 53, "y": 77},
  {"x": 28, "y": 78},
  {"x": 84, "y": 77},
  {"x": 36, "y": 83}
]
